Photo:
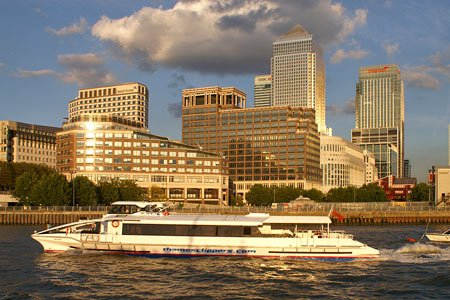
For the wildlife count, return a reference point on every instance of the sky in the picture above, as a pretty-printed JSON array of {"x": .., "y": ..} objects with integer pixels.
[{"x": 51, "y": 48}]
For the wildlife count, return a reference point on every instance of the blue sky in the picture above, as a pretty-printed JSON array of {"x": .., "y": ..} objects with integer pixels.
[{"x": 51, "y": 48}]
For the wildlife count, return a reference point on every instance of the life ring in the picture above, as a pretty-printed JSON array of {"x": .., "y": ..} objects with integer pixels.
[{"x": 115, "y": 223}]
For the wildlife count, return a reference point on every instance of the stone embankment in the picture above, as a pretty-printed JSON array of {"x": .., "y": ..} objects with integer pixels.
[{"x": 68, "y": 215}]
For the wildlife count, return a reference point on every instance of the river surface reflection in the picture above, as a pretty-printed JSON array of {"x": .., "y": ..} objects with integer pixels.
[{"x": 404, "y": 271}]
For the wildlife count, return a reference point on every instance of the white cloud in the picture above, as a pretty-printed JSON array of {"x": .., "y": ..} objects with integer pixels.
[
  {"x": 222, "y": 36},
  {"x": 348, "y": 109},
  {"x": 425, "y": 75},
  {"x": 76, "y": 28},
  {"x": 390, "y": 49},
  {"x": 340, "y": 54},
  {"x": 37, "y": 73},
  {"x": 420, "y": 77},
  {"x": 86, "y": 70}
]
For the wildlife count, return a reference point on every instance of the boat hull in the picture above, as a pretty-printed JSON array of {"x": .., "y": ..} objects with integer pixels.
[
  {"x": 437, "y": 237},
  {"x": 314, "y": 252}
]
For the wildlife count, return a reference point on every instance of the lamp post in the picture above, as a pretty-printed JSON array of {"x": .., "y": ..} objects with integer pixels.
[{"x": 72, "y": 175}]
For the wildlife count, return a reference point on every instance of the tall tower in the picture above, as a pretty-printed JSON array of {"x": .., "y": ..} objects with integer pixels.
[
  {"x": 298, "y": 73},
  {"x": 380, "y": 117}
]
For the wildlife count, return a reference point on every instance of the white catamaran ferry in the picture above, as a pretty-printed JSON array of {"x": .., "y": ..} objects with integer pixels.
[{"x": 146, "y": 230}]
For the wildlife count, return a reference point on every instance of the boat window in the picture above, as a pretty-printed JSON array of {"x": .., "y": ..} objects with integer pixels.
[
  {"x": 247, "y": 230},
  {"x": 186, "y": 230},
  {"x": 123, "y": 209},
  {"x": 446, "y": 231}
]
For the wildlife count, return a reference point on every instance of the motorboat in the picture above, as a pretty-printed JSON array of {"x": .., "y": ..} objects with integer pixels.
[
  {"x": 439, "y": 237},
  {"x": 156, "y": 234}
]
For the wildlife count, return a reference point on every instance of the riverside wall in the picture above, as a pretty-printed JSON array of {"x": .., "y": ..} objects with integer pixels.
[{"x": 55, "y": 217}]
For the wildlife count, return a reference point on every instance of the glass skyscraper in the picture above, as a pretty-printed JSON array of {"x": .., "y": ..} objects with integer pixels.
[
  {"x": 298, "y": 73},
  {"x": 380, "y": 117}
]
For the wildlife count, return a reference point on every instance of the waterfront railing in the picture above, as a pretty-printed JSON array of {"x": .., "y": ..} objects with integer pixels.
[{"x": 308, "y": 208}]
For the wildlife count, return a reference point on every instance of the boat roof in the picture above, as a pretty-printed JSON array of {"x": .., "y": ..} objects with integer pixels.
[
  {"x": 141, "y": 204},
  {"x": 228, "y": 220}
]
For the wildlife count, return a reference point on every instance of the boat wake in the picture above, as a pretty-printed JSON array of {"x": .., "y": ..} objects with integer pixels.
[{"x": 416, "y": 253}]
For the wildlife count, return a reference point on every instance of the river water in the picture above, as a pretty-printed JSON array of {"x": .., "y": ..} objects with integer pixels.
[{"x": 405, "y": 270}]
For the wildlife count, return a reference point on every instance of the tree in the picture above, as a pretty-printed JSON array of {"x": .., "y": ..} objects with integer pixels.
[
  {"x": 236, "y": 201},
  {"x": 259, "y": 195},
  {"x": 419, "y": 193},
  {"x": 341, "y": 195},
  {"x": 85, "y": 191},
  {"x": 286, "y": 194},
  {"x": 52, "y": 189},
  {"x": 108, "y": 192},
  {"x": 157, "y": 193},
  {"x": 314, "y": 194},
  {"x": 371, "y": 193},
  {"x": 130, "y": 191},
  {"x": 23, "y": 186}
]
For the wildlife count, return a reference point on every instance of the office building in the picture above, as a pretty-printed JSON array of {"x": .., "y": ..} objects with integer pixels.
[
  {"x": 439, "y": 182},
  {"x": 344, "y": 164},
  {"x": 371, "y": 169},
  {"x": 128, "y": 100},
  {"x": 380, "y": 117},
  {"x": 298, "y": 73},
  {"x": 105, "y": 148},
  {"x": 407, "y": 168},
  {"x": 262, "y": 91},
  {"x": 106, "y": 137},
  {"x": 269, "y": 146},
  {"x": 29, "y": 143}
]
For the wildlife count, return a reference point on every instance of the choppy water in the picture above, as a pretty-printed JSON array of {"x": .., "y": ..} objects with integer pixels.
[{"x": 404, "y": 271}]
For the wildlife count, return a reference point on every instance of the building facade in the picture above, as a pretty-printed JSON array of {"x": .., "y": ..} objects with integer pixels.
[
  {"x": 22, "y": 142},
  {"x": 396, "y": 189},
  {"x": 439, "y": 182},
  {"x": 104, "y": 148},
  {"x": 407, "y": 168},
  {"x": 343, "y": 164},
  {"x": 380, "y": 117},
  {"x": 269, "y": 146},
  {"x": 298, "y": 73},
  {"x": 128, "y": 100},
  {"x": 262, "y": 91},
  {"x": 371, "y": 169}
]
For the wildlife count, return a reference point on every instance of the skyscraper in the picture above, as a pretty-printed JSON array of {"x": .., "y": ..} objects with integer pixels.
[
  {"x": 380, "y": 117},
  {"x": 262, "y": 90},
  {"x": 298, "y": 73}
]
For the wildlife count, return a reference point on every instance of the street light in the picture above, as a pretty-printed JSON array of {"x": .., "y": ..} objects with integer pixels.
[{"x": 72, "y": 174}]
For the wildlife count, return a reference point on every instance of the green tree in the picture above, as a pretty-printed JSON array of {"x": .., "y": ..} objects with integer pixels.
[
  {"x": 286, "y": 194},
  {"x": 314, "y": 194},
  {"x": 259, "y": 195},
  {"x": 23, "y": 187},
  {"x": 419, "y": 193},
  {"x": 371, "y": 193},
  {"x": 108, "y": 192},
  {"x": 85, "y": 191},
  {"x": 157, "y": 193},
  {"x": 130, "y": 191},
  {"x": 341, "y": 195},
  {"x": 236, "y": 201},
  {"x": 52, "y": 189}
]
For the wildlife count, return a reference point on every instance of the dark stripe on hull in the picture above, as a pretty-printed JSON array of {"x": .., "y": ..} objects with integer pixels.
[{"x": 305, "y": 257}]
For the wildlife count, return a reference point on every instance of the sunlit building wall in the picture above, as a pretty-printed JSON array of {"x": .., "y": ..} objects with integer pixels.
[
  {"x": 128, "y": 100},
  {"x": 342, "y": 163},
  {"x": 30, "y": 143},
  {"x": 380, "y": 117},
  {"x": 111, "y": 148},
  {"x": 298, "y": 73},
  {"x": 272, "y": 146}
]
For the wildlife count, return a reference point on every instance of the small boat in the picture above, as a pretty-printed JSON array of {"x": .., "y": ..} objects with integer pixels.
[
  {"x": 439, "y": 237},
  {"x": 156, "y": 234}
]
